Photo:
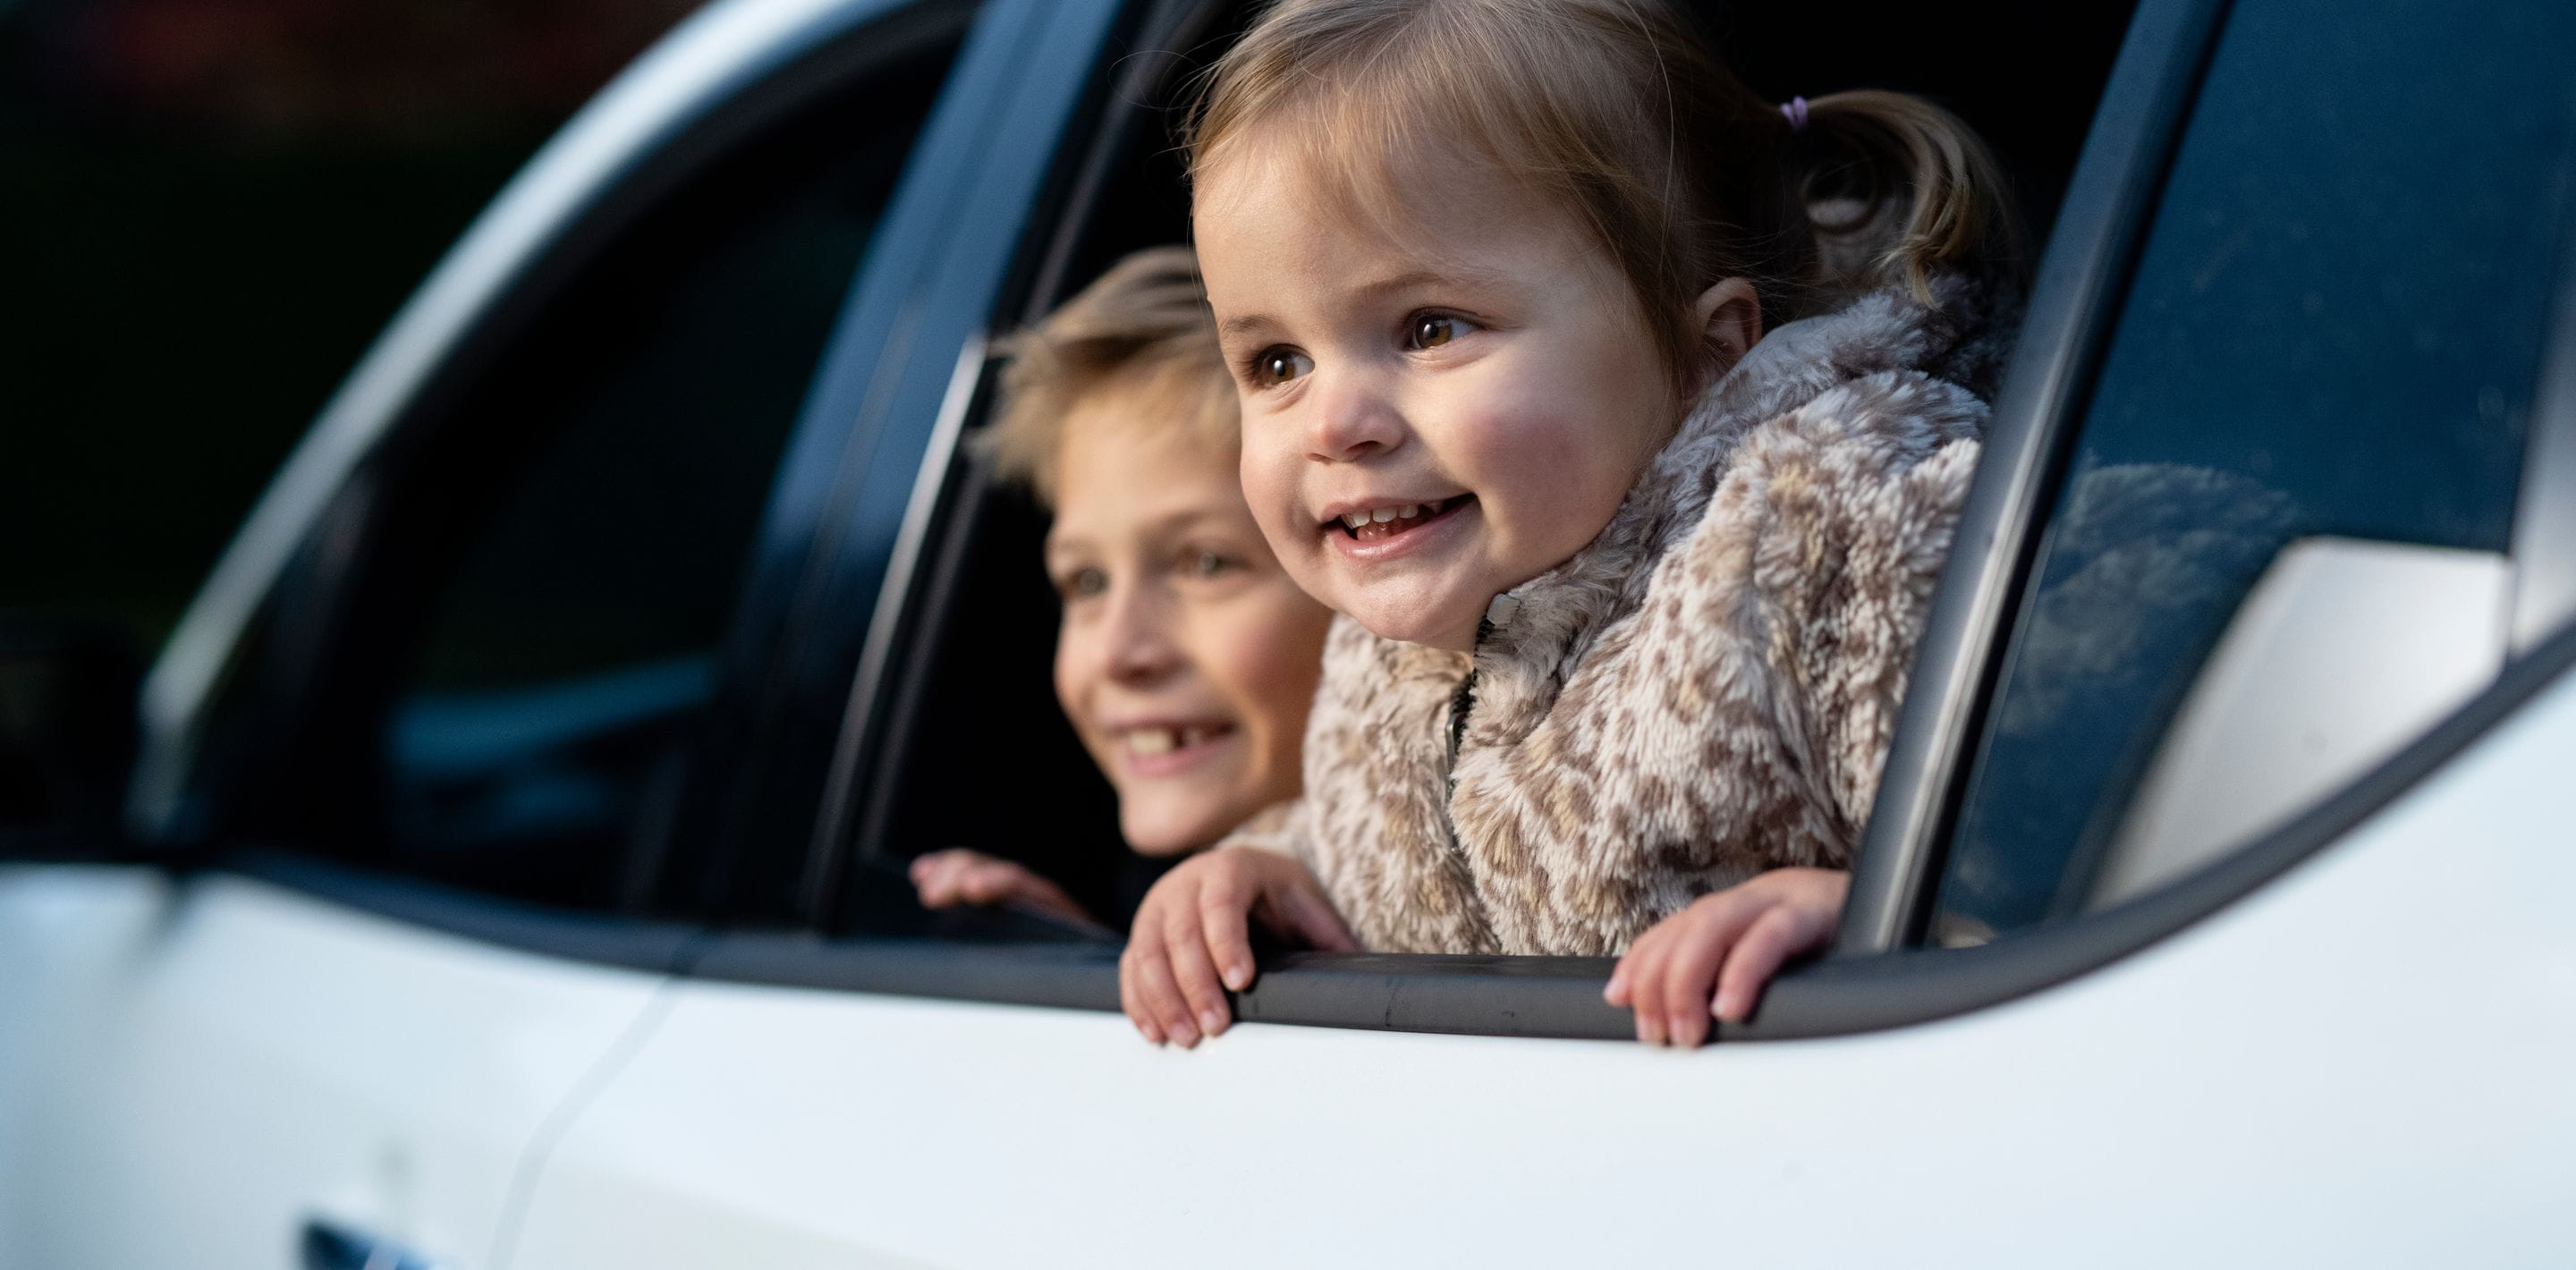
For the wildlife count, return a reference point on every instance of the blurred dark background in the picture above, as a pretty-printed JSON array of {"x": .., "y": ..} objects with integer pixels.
[{"x": 209, "y": 207}]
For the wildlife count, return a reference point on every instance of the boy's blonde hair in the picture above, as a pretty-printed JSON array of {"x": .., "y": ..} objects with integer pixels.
[
  {"x": 1141, "y": 331},
  {"x": 1614, "y": 110}
]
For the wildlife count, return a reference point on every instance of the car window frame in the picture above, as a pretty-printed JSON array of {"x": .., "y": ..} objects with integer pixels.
[
  {"x": 818, "y": 55},
  {"x": 673, "y": 111}
]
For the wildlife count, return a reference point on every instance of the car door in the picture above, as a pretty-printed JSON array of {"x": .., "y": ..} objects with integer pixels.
[
  {"x": 2247, "y": 1049},
  {"x": 418, "y": 755}
]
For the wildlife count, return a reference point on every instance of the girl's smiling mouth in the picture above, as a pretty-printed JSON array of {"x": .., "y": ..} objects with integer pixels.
[{"x": 1373, "y": 525}]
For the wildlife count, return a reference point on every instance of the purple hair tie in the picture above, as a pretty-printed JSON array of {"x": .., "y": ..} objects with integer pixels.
[{"x": 1796, "y": 112}]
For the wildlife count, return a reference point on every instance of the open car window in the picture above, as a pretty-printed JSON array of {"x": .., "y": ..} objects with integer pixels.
[{"x": 974, "y": 752}]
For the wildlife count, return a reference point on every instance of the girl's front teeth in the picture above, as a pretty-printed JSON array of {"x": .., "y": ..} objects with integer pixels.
[
  {"x": 1361, "y": 520},
  {"x": 1387, "y": 520}
]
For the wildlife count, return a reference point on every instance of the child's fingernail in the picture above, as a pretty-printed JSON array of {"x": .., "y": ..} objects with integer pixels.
[
  {"x": 1212, "y": 1022},
  {"x": 1610, "y": 991},
  {"x": 1726, "y": 1008},
  {"x": 1184, "y": 1036},
  {"x": 1237, "y": 976}
]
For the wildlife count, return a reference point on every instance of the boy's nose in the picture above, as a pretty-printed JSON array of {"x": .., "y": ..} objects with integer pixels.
[{"x": 1138, "y": 637}]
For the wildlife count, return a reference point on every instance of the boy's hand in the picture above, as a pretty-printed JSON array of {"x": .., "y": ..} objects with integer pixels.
[
  {"x": 1192, "y": 939},
  {"x": 945, "y": 879},
  {"x": 1732, "y": 941}
]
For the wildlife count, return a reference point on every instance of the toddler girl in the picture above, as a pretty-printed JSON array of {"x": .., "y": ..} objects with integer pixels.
[{"x": 1625, "y": 419}]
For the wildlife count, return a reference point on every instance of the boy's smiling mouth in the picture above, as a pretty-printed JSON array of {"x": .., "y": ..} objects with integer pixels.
[{"x": 1380, "y": 523}]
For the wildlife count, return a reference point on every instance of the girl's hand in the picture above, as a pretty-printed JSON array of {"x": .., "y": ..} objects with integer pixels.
[
  {"x": 945, "y": 879},
  {"x": 1733, "y": 941},
  {"x": 1192, "y": 939}
]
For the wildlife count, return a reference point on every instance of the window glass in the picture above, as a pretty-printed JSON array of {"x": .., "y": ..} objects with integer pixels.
[
  {"x": 580, "y": 522},
  {"x": 2314, "y": 395}
]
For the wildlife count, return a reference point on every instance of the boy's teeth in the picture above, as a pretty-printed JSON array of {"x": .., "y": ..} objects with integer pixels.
[
  {"x": 1356, "y": 519},
  {"x": 1152, "y": 741}
]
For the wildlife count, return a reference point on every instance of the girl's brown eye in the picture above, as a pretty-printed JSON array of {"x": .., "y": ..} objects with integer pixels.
[
  {"x": 1431, "y": 330},
  {"x": 1209, "y": 564},
  {"x": 1275, "y": 366}
]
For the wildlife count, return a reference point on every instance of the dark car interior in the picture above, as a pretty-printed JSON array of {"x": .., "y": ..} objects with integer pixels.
[{"x": 976, "y": 695}]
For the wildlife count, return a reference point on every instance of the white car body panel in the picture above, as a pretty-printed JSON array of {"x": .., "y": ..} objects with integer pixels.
[
  {"x": 223, "y": 1059},
  {"x": 2365, "y": 1063}
]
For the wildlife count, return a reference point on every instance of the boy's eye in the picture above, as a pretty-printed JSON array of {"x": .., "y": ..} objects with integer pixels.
[
  {"x": 1210, "y": 564},
  {"x": 1277, "y": 365},
  {"x": 1082, "y": 583},
  {"x": 1431, "y": 330}
]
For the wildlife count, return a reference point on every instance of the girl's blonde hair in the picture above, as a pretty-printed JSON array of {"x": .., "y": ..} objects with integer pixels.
[
  {"x": 1141, "y": 331},
  {"x": 1616, "y": 111}
]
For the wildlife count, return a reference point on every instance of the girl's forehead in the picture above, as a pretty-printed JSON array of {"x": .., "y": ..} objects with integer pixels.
[{"x": 1263, "y": 218}]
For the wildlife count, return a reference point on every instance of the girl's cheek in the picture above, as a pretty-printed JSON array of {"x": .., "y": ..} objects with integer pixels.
[{"x": 1269, "y": 485}]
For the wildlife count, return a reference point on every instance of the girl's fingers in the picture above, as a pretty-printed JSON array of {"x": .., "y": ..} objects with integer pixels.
[
  {"x": 1195, "y": 974},
  {"x": 1229, "y": 940},
  {"x": 1162, "y": 998},
  {"x": 1690, "y": 973},
  {"x": 1779, "y": 934},
  {"x": 1131, "y": 994},
  {"x": 1622, "y": 988},
  {"x": 1645, "y": 966}
]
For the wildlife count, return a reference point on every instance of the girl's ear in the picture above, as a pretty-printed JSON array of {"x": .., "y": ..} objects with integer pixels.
[{"x": 1730, "y": 323}]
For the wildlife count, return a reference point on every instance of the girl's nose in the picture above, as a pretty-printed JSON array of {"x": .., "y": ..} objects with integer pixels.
[{"x": 1351, "y": 420}]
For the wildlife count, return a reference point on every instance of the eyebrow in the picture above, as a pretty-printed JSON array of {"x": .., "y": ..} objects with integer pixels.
[
  {"x": 1169, "y": 524},
  {"x": 1246, "y": 324}
]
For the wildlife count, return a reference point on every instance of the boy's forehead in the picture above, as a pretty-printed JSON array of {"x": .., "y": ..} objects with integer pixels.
[{"x": 1116, "y": 442}]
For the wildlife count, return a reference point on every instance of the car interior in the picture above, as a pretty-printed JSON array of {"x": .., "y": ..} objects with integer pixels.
[{"x": 976, "y": 695}]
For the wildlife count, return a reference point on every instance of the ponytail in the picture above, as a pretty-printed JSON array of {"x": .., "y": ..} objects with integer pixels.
[{"x": 1953, "y": 216}]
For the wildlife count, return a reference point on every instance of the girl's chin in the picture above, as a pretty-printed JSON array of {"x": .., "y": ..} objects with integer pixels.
[{"x": 1449, "y": 625}]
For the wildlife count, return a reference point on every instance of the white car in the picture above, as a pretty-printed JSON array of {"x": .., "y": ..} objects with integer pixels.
[{"x": 508, "y": 872}]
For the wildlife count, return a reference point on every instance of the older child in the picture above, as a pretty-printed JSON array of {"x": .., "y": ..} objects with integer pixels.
[
  {"x": 1630, "y": 474},
  {"x": 1187, "y": 658}
]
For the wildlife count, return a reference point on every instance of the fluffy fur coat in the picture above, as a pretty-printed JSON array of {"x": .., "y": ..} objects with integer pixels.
[{"x": 1705, "y": 691}]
